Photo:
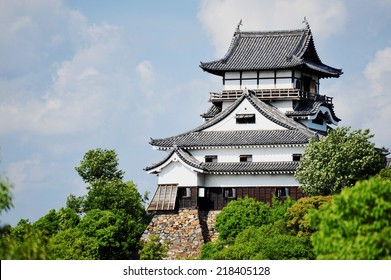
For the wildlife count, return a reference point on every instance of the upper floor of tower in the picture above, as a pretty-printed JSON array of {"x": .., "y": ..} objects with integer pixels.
[{"x": 276, "y": 65}]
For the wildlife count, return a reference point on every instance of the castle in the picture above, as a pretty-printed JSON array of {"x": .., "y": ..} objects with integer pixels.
[{"x": 253, "y": 134}]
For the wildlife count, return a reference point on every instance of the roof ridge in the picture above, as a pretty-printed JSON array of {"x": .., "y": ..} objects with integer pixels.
[{"x": 268, "y": 111}]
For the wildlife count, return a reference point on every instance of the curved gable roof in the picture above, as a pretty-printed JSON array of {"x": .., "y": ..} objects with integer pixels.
[
  {"x": 197, "y": 137},
  {"x": 271, "y": 50},
  {"x": 280, "y": 167}
]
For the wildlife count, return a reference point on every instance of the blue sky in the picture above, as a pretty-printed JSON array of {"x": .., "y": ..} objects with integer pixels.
[{"x": 83, "y": 74}]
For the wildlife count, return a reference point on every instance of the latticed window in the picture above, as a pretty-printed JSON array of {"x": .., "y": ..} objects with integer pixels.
[
  {"x": 245, "y": 118},
  {"x": 210, "y": 158},
  {"x": 245, "y": 158}
]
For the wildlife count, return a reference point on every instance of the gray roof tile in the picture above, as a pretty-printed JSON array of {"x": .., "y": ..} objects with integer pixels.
[
  {"x": 230, "y": 167},
  {"x": 202, "y": 139},
  {"x": 199, "y": 138},
  {"x": 251, "y": 167},
  {"x": 271, "y": 50},
  {"x": 311, "y": 108}
]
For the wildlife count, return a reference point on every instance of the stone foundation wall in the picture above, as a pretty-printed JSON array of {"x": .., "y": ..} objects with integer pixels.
[{"x": 185, "y": 231}]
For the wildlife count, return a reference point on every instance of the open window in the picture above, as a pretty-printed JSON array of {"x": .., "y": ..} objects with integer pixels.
[
  {"x": 245, "y": 118},
  {"x": 245, "y": 158},
  {"x": 229, "y": 193},
  {"x": 296, "y": 157},
  {"x": 282, "y": 192},
  {"x": 185, "y": 192},
  {"x": 210, "y": 158}
]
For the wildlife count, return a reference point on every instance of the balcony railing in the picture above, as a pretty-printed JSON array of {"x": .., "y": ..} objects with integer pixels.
[{"x": 271, "y": 94}]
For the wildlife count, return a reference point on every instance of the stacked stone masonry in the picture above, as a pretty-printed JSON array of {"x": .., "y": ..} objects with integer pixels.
[{"x": 185, "y": 231}]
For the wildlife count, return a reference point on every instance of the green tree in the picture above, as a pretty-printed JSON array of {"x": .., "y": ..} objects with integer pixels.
[
  {"x": 385, "y": 173},
  {"x": 5, "y": 194},
  {"x": 153, "y": 249},
  {"x": 338, "y": 160},
  {"x": 99, "y": 164},
  {"x": 356, "y": 224},
  {"x": 268, "y": 242},
  {"x": 23, "y": 242},
  {"x": 297, "y": 215},
  {"x": 114, "y": 215},
  {"x": 240, "y": 214}
]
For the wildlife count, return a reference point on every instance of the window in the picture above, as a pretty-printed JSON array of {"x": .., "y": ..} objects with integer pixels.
[
  {"x": 185, "y": 192},
  {"x": 281, "y": 192},
  {"x": 245, "y": 118},
  {"x": 210, "y": 158},
  {"x": 296, "y": 157},
  {"x": 245, "y": 158},
  {"x": 229, "y": 193},
  {"x": 201, "y": 192}
]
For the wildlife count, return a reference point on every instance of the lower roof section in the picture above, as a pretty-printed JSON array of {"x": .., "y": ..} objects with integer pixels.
[
  {"x": 273, "y": 167},
  {"x": 164, "y": 198},
  {"x": 200, "y": 139},
  {"x": 278, "y": 167}
]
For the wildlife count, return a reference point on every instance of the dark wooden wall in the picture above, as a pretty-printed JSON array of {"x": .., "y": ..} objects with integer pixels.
[{"x": 214, "y": 197}]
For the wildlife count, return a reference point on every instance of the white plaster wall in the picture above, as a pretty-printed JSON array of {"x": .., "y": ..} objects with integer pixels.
[
  {"x": 177, "y": 173},
  {"x": 229, "y": 123},
  {"x": 259, "y": 154},
  {"x": 250, "y": 180},
  {"x": 284, "y": 105}
]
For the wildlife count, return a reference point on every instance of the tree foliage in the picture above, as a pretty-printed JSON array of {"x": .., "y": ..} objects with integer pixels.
[
  {"x": 385, "y": 173},
  {"x": 5, "y": 194},
  {"x": 297, "y": 215},
  {"x": 356, "y": 224},
  {"x": 338, "y": 160},
  {"x": 240, "y": 214},
  {"x": 153, "y": 249},
  {"x": 99, "y": 164},
  {"x": 106, "y": 223},
  {"x": 271, "y": 242}
]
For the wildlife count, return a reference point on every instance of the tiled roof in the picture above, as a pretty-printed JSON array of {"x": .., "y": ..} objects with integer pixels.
[
  {"x": 271, "y": 50},
  {"x": 231, "y": 138},
  {"x": 183, "y": 155},
  {"x": 251, "y": 167},
  {"x": 212, "y": 111},
  {"x": 202, "y": 139},
  {"x": 280, "y": 167},
  {"x": 311, "y": 108}
]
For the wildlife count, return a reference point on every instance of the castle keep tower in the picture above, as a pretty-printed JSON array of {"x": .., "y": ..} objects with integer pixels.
[{"x": 256, "y": 128}]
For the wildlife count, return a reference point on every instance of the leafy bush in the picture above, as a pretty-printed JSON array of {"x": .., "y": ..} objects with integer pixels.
[
  {"x": 269, "y": 242},
  {"x": 240, "y": 214},
  {"x": 337, "y": 161},
  {"x": 356, "y": 224},
  {"x": 297, "y": 215},
  {"x": 153, "y": 249}
]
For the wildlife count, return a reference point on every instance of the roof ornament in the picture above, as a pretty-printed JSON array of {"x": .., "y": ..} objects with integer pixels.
[
  {"x": 238, "y": 26},
  {"x": 306, "y": 23}
]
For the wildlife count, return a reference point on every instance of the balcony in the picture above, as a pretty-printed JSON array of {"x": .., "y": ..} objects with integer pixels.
[{"x": 271, "y": 94}]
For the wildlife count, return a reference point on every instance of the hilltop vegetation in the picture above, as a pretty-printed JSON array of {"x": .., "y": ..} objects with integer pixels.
[
  {"x": 104, "y": 224},
  {"x": 346, "y": 214}
]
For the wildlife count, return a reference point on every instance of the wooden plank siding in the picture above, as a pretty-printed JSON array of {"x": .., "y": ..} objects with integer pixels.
[
  {"x": 187, "y": 202},
  {"x": 164, "y": 198}
]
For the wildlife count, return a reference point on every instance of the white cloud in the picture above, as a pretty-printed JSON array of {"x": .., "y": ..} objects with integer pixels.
[
  {"x": 29, "y": 170},
  {"x": 364, "y": 101},
  {"x": 220, "y": 17},
  {"x": 146, "y": 73},
  {"x": 59, "y": 74},
  {"x": 378, "y": 72}
]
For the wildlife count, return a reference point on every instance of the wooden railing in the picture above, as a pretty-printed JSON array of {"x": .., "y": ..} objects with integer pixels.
[{"x": 271, "y": 94}]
